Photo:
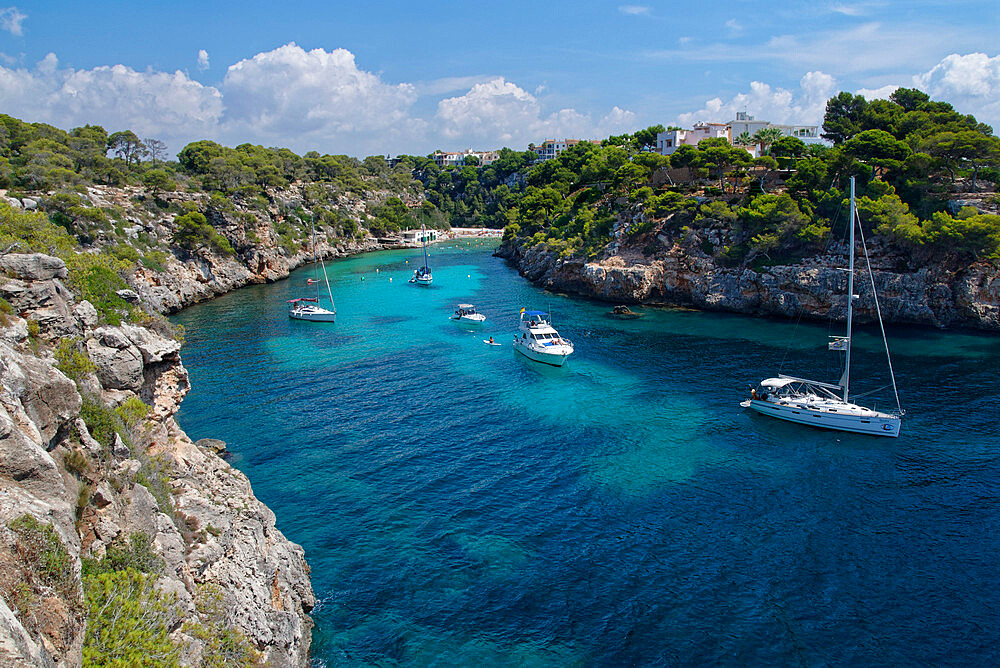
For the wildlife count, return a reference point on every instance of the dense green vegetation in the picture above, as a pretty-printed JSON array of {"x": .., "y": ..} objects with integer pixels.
[{"x": 909, "y": 155}]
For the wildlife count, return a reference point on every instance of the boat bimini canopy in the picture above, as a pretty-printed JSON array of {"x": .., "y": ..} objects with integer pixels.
[{"x": 783, "y": 381}]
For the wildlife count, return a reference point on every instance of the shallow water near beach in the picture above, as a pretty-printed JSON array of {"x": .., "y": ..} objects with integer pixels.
[{"x": 462, "y": 505}]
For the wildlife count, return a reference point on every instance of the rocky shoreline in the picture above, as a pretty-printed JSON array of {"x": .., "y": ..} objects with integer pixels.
[
  {"x": 98, "y": 491},
  {"x": 682, "y": 274},
  {"x": 195, "y": 513}
]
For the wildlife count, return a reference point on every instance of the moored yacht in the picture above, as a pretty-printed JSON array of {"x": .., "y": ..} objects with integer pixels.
[
  {"x": 818, "y": 404},
  {"x": 423, "y": 275},
  {"x": 538, "y": 340},
  {"x": 307, "y": 308}
]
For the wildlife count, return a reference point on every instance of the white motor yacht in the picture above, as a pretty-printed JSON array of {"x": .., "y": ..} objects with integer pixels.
[
  {"x": 538, "y": 340},
  {"x": 466, "y": 314}
]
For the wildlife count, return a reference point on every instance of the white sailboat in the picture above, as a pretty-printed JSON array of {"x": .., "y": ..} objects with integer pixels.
[
  {"x": 819, "y": 404},
  {"x": 423, "y": 275},
  {"x": 308, "y": 308}
]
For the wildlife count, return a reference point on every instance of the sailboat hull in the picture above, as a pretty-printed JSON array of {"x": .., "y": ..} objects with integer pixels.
[{"x": 872, "y": 423}]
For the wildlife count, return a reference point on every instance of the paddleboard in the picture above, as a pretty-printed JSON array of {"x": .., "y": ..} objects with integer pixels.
[{"x": 487, "y": 342}]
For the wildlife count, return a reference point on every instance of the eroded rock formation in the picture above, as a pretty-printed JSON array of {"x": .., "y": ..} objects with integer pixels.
[{"x": 59, "y": 482}]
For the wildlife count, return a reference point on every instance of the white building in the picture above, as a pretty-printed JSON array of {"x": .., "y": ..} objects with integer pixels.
[
  {"x": 457, "y": 158},
  {"x": 414, "y": 236},
  {"x": 550, "y": 148},
  {"x": 745, "y": 123},
  {"x": 668, "y": 142}
]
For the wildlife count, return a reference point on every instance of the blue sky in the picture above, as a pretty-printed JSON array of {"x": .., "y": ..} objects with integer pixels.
[{"x": 394, "y": 77}]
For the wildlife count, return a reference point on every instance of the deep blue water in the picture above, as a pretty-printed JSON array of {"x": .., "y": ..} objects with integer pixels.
[{"x": 462, "y": 505}]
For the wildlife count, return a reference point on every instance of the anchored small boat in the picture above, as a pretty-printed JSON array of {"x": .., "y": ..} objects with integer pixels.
[
  {"x": 539, "y": 341},
  {"x": 466, "y": 314}
]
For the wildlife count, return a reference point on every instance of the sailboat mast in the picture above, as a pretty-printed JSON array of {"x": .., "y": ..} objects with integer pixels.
[
  {"x": 846, "y": 380},
  {"x": 423, "y": 237}
]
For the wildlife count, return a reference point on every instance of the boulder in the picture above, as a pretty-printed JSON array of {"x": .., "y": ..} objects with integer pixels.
[
  {"x": 85, "y": 314},
  {"x": 119, "y": 363},
  {"x": 33, "y": 266}
]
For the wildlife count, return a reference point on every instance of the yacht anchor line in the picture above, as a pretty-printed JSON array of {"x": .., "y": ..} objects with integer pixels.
[
  {"x": 818, "y": 404},
  {"x": 539, "y": 341},
  {"x": 308, "y": 308}
]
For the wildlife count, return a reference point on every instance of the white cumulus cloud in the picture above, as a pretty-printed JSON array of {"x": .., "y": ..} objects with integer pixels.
[
  {"x": 500, "y": 113},
  {"x": 970, "y": 82},
  {"x": 203, "y": 63},
  {"x": 11, "y": 19},
  {"x": 168, "y": 106},
  {"x": 315, "y": 100}
]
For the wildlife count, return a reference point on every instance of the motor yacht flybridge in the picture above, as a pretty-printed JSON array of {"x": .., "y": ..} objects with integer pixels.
[
  {"x": 819, "y": 404},
  {"x": 539, "y": 341}
]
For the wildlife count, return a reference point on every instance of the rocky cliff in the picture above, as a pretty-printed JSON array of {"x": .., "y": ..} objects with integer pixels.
[
  {"x": 683, "y": 270},
  {"x": 97, "y": 480}
]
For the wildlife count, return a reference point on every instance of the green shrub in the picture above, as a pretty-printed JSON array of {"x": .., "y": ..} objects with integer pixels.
[
  {"x": 41, "y": 567},
  {"x": 43, "y": 556},
  {"x": 82, "y": 499},
  {"x": 193, "y": 231},
  {"x": 132, "y": 412},
  {"x": 133, "y": 553},
  {"x": 153, "y": 475},
  {"x": 155, "y": 260},
  {"x": 128, "y": 621},
  {"x": 71, "y": 360},
  {"x": 224, "y": 646},
  {"x": 75, "y": 461},
  {"x": 102, "y": 422},
  {"x": 97, "y": 280}
]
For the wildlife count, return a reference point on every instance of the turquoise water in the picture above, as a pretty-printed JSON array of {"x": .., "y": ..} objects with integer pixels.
[{"x": 462, "y": 505}]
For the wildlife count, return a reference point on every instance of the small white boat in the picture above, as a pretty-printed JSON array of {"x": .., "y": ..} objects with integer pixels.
[
  {"x": 466, "y": 314},
  {"x": 539, "y": 341},
  {"x": 814, "y": 403}
]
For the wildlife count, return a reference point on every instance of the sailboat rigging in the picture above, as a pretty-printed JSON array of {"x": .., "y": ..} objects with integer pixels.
[
  {"x": 308, "y": 308},
  {"x": 818, "y": 404}
]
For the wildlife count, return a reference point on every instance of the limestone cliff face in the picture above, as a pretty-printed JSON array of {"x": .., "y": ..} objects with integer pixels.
[
  {"x": 198, "y": 513},
  {"x": 682, "y": 274}
]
